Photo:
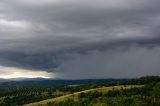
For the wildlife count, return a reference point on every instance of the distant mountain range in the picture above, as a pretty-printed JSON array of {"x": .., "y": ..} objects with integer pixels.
[{"x": 40, "y": 82}]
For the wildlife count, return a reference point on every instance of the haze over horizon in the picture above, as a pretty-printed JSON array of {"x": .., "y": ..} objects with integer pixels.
[{"x": 79, "y": 39}]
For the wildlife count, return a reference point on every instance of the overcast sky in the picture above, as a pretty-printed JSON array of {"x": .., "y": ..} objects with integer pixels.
[{"x": 79, "y": 39}]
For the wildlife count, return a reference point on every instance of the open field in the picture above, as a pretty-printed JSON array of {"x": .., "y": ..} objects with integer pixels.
[{"x": 102, "y": 90}]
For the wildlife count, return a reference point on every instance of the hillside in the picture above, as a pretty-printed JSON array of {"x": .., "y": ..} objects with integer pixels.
[
  {"x": 103, "y": 90},
  {"x": 86, "y": 94}
]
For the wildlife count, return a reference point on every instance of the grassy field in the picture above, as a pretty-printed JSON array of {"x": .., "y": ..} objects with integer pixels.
[{"x": 75, "y": 95}]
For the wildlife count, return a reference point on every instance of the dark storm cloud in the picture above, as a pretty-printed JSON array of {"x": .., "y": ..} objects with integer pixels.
[
  {"x": 62, "y": 36},
  {"x": 49, "y": 58}
]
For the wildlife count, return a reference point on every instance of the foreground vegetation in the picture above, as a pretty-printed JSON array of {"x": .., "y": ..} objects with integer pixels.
[
  {"x": 145, "y": 96},
  {"x": 23, "y": 95},
  {"x": 88, "y": 94},
  {"x": 79, "y": 95}
]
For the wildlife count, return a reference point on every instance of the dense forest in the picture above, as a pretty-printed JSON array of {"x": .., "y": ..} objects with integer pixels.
[{"x": 148, "y": 95}]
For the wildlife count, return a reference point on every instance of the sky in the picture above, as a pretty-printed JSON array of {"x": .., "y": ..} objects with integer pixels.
[{"x": 79, "y": 39}]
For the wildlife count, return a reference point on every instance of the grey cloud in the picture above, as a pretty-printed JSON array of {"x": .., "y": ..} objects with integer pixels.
[
  {"x": 54, "y": 34},
  {"x": 77, "y": 16},
  {"x": 133, "y": 62},
  {"x": 50, "y": 59}
]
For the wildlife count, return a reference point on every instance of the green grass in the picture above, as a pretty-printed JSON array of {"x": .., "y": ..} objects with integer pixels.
[{"x": 76, "y": 94}]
